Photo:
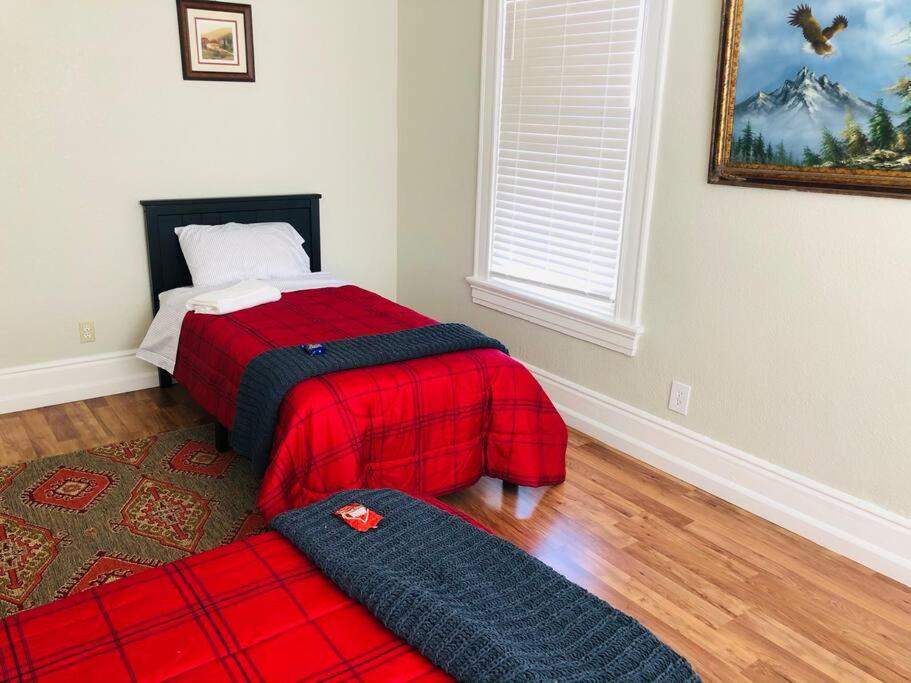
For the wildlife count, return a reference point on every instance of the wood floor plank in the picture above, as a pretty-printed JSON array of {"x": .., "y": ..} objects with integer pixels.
[
  {"x": 15, "y": 444},
  {"x": 885, "y": 600},
  {"x": 85, "y": 422},
  {"x": 40, "y": 435},
  {"x": 711, "y": 589},
  {"x": 795, "y": 552},
  {"x": 875, "y": 644},
  {"x": 61, "y": 425},
  {"x": 777, "y": 660},
  {"x": 765, "y": 672},
  {"x": 700, "y": 557},
  {"x": 625, "y": 498},
  {"x": 743, "y": 599},
  {"x": 106, "y": 416},
  {"x": 814, "y": 654},
  {"x": 702, "y": 607}
]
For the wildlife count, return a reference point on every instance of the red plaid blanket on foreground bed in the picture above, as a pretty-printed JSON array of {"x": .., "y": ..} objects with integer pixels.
[
  {"x": 254, "y": 610},
  {"x": 430, "y": 425}
]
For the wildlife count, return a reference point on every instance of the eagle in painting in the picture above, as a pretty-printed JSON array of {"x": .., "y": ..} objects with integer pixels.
[{"x": 817, "y": 36}]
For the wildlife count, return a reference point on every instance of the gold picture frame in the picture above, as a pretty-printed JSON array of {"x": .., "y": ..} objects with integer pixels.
[{"x": 872, "y": 171}]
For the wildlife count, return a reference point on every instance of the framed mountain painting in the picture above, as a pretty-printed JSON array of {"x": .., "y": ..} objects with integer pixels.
[{"x": 814, "y": 96}]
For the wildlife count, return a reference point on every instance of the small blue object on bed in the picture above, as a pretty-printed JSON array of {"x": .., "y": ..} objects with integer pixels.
[{"x": 474, "y": 604}]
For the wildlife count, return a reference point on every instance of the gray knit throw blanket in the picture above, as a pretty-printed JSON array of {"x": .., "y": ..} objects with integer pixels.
[
  {"x": 474, "y": 604},
  {"x": 272, "y": 374}
]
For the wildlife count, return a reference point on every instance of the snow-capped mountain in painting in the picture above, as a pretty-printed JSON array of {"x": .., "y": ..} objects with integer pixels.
[{"x": 796, "y": 113}]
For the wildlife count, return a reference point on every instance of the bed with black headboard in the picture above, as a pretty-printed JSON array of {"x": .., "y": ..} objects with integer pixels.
[
  {"x": 427, "y": 425},
  {"x": 167, "y": 267}
]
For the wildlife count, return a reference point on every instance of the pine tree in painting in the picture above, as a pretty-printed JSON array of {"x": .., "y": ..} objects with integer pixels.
[
  {"x": 751, "y": 147},
  {"x": 811, "y": 158},
  {"x": 781, "y": 156},
  {"x": 903, "y": 89},
  {"x": 747, "y": 140},
  {"x": 903, "y": 130},
  {"x": 759, "y": 150},
  {"x": 832, "y": 148},
  {"x": 882, "y": 130},
  {"x": 856, "y": 143}
]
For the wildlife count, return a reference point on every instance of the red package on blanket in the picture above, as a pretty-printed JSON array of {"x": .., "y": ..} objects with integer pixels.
[{"x": 359, "y": 517}]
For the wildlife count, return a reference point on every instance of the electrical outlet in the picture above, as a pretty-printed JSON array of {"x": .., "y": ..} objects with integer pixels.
[
  {"x": 87, "y": 332},
  {"x": 680, "y": 397}
]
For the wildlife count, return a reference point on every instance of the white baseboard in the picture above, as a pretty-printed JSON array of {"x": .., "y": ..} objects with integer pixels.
[
  {"x": 866, "y": 533},
  {"x": 73, "y": 379}
]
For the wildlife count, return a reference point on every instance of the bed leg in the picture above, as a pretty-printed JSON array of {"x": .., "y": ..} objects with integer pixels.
[
  {"x": 222, "y": 439},
  {"x": 164, "y": 379}
]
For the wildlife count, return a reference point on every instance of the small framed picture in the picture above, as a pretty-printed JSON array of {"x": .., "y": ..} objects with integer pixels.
[{"x": 216, "y": 41}]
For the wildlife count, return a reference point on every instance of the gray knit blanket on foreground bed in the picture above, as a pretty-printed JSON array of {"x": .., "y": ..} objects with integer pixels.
[
  {"x": 472, "y": 603},
  {"x": 272, "y": 374}
]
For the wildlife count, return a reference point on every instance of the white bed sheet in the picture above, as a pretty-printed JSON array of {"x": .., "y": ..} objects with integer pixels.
[{"x": 160, "y": 344}]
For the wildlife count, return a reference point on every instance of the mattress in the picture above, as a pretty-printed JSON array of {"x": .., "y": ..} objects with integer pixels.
[{"x": 254, "y": 610}]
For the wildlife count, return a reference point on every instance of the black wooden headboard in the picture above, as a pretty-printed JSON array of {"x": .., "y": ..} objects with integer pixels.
[{"x": 167, "y": 267}]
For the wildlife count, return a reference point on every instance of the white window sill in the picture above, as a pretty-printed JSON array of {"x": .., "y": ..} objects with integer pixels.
[{"x": 606, "y": 333}]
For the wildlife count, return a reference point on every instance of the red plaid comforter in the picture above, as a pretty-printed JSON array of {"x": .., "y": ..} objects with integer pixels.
[
  {"x": 254, "y": 610},
  {"x": 430, "y": 425}
]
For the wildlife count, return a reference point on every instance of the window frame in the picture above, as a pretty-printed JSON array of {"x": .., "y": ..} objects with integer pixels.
[{"x": 621, "y": 331}]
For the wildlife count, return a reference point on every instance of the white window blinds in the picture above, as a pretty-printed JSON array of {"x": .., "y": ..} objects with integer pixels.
[{"x": 565, "y": 105}]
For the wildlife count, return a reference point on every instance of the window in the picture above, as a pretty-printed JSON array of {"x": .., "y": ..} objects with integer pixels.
[{"x": 568, "y": 109}]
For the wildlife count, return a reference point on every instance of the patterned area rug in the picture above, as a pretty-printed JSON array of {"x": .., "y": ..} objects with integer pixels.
[{"x": 74, "y": 521}]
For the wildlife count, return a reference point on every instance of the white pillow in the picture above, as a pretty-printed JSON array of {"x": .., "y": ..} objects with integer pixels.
[{"x": 221, "y": 254}]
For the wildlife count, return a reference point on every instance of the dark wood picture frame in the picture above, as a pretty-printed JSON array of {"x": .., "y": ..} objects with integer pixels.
[
  {"x": 724, "y": 171},
  {"x": 186, "y": 45}
]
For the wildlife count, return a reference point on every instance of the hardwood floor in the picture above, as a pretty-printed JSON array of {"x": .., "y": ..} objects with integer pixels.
[
  {"x": 73, "y": 426},
  {"x": 741, "y": 598}
]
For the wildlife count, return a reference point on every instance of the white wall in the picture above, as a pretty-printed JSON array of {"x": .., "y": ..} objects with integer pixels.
[
  {"x": 95, "y": 115},
  {"x": 790, "y": 314}
]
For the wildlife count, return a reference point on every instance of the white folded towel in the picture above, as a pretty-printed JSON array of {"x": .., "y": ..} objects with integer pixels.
[{"x": 246, "y": 294}]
